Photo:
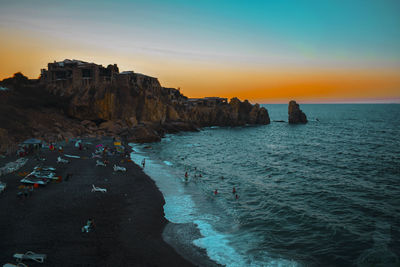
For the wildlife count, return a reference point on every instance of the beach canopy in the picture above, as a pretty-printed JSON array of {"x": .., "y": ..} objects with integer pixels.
[{"x": 32, "y": 141}]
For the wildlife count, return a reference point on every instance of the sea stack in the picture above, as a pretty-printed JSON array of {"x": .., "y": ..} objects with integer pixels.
[{"x": 296, "y": 115}]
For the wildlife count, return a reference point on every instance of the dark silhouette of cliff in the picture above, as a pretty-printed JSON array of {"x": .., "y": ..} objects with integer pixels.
[{"x": 130, "y": 105}]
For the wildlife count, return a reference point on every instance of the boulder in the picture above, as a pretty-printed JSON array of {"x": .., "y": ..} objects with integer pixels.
[
  {"x": 295, "y": 114},
  {"x": 143, "y": 134},
  {"x": 86, "y": 123},
  {"x": 110, "y": 127},
  {"x": 132, "y": 121}
]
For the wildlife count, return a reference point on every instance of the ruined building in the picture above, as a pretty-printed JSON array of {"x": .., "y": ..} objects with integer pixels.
[
  {"x": 77, "y": 73},
  {"x": 70, "y": 76}
]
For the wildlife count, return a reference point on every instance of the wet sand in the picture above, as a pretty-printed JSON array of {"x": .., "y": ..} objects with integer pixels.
[{"x": 129, "y": 218}]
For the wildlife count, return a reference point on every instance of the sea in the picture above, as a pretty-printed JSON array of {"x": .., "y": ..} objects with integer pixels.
[{"x": 326, "y": 193}]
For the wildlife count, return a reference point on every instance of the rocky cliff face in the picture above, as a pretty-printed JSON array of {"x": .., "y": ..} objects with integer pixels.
[
  {"x": 235, "y": 113},
  {"x": 135, "y": 106},
  {"x": 296, "y": 115},
  {"x": 141, "y": 99}
]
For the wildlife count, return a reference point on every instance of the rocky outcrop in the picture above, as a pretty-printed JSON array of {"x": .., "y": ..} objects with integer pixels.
[
  {"x": 133, "y": 106},
  {"x": 296, "y": 115},
  {"x": 136, "y": 98}
]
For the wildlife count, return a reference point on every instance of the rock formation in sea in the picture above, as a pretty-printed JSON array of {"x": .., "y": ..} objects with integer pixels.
[
  {"x": 296, "y": 115},
  {"x": 75, "y": 98}
]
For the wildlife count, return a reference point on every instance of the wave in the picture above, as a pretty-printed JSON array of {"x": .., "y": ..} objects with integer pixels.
[{"x": 181, "y": 208}]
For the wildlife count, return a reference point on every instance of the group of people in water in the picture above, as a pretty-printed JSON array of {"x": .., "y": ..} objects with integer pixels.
[
  {"x": 233, "y": 192},
  {"x": 216, "y": 190}
]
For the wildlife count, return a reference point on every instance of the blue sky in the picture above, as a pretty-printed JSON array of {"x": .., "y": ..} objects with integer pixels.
[{"x": 245, "y": 35}]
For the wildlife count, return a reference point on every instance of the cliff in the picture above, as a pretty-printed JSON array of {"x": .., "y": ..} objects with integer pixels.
[{"x": 129, "y": 105}]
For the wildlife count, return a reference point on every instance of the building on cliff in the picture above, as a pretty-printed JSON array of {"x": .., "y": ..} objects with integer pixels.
[
  {"x": 67, "y": 77},
  {"x": 77, "y": 73},
  {"x": 207, "y": 101}
]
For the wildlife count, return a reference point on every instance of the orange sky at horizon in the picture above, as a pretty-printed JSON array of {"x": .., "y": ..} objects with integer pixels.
[{"x": 27, "y": 53}]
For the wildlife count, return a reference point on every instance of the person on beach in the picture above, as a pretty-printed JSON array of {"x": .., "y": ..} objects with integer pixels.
[
  {"x": 143, "y": 163},
  {"x": 80, "y": 146},
  {"x": 88, "y": 227}
]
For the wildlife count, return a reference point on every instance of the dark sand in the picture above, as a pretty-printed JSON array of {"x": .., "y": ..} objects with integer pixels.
[{"x": 129, "y": 218}]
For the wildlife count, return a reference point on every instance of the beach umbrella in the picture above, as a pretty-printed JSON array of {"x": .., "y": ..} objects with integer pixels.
[
  {"x": 77, "y": 143},
  {"x": 99, "y": 145}
]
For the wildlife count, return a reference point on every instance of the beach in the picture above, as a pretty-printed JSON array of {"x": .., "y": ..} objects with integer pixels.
[{"x": 128, "y": 218}]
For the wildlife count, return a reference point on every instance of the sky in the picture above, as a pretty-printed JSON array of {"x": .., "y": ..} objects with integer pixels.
[{"x": 264, "y": 51}]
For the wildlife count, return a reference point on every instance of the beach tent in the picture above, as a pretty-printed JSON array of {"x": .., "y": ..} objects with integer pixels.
[{"x": 32, "y": 141}]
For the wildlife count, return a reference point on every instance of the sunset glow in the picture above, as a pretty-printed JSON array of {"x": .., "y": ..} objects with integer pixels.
[{"x": 264, "y": 52}]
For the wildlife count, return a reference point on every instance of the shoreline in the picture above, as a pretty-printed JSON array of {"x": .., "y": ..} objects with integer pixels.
[
  {"x": 178, "y": 234},
  {"x": 129, "y": 218}
]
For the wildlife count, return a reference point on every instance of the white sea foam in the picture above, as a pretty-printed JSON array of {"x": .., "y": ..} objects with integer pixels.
[
  {"x": 180, "y": 208},
  {"x": 168, "y": 163}
]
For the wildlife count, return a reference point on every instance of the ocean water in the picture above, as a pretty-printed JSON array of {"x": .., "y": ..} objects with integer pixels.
[{"x": 322, "y": 194}]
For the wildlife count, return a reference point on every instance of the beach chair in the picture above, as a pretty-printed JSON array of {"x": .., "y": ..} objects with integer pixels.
[
  {"x": 100, "y": 163},
  {"x": 72, "y": 156},
  {"x": 19, "y": 264},
  {"x": 61, "y": 160},
  {"x": 95, "y": 156},
  {"x": 98, "y": 189},
  {"x": 2, "y": 186},
  {"x": 30, "y": 256},
  {"x": 119, "y": 168}
]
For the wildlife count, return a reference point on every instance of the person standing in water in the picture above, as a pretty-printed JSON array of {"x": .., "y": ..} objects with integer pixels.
[
  {"x": 234, "y": 190},
  {"x": 143, "y": 163},
  {"x": 216, "y": 192}
]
